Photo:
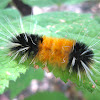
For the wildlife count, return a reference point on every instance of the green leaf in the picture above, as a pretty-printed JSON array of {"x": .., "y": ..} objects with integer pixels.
[
  {"x": 4, "y": 3},
  {"x": 8, "y": 13},
  {"x": 47, "y": 96},
  {"x": 50, "y": 2},
  {"x": 88, "y": 95},
  {"x": 43, "y": 3},
  {"x": 80, "y": 27},
  {"x": 97, "y": 18},
  {"x": 24, "y": 81},
  {"x": 8, "y": 70}
]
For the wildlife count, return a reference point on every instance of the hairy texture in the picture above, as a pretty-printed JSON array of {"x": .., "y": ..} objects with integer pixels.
[
  {"x": 55, "y": 51},
  {"x": 80, "y": 53},
  {"x": 61, "y": 52},
  {"x": 26, "y": 43}
]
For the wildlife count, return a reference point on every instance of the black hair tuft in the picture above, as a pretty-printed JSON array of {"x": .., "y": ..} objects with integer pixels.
[
  {"x": 27, "y": 43},
  {"x": 80, "y": 54}
]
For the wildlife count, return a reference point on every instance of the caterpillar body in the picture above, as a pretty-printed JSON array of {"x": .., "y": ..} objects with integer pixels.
[{"x": 65, "y": 53}]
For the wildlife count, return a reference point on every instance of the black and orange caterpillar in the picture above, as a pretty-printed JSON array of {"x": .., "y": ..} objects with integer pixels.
[{"x": 65, "y": 53}]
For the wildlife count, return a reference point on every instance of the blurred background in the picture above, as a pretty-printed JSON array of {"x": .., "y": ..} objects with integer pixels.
[{"x": 66, "y": 91}]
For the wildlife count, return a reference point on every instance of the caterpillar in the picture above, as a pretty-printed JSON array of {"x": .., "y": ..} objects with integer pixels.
[
  {"x": 58, "y": 51},
  {"x": 65, "y": 53}
]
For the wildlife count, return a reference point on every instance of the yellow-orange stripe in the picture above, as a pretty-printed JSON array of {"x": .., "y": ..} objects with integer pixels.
[{"x": 55, "y": 51}]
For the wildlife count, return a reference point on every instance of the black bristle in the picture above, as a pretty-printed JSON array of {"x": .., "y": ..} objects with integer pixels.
[
  {"x": 76, "y": 53},
  {"x": 26, "y": 40}
]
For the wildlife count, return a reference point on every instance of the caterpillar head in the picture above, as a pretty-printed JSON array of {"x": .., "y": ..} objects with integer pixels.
[{"x": 80, "y": 57}]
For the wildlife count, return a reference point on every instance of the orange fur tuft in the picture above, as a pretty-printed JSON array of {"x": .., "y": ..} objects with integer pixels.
[{"x": 55, "y": 51}]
